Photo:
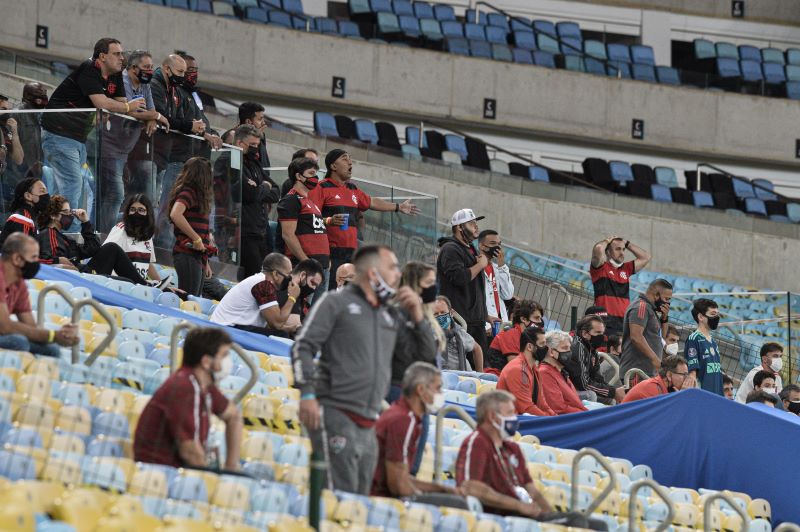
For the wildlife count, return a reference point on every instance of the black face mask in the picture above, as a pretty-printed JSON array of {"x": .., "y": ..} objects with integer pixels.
[
  {"x": 597, "y": 341},
  {"x": 658, "y": 302},
  {"x": 66, "y": 221},
  {"x": 306, "y": 290},
  {"x": 713, "y": 323},
  {"x": 145, "y": 76},
  {"x": 137, "y": 220},
  {"x": 794, "y": 408},
  {"x": 493, "y": 251},
  {"x": 44, "y": 201},
  {"x": 252, "y": 151},
  {"x": 429, "y": 294},
  {"x": 540, "y": 353},
  {"x": 177, "y": 81},
  {"x": 311, "y": 182},
  {"x": 30, "y": 269},
  {"x": 285, "y": 283}
]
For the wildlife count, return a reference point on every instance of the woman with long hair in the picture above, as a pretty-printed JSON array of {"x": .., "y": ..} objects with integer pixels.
[
  {"x": 30, "y": 197},
  {"x": 56, "y": 248},
  {"x": 189, "y": 209},
  {"x": 134, "y": 234}
]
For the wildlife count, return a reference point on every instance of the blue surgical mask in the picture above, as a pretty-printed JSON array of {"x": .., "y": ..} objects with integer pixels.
[
  {"x": 507, "y": 426},
  {"x": 445, "y": 320}
]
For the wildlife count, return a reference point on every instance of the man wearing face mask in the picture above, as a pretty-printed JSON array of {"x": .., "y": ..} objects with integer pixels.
[
  {"x": 355, "y": 332},
  {"x": 20, "y": 261},
  {"x": 308, "y": 276},
  {"x": 671, "y": 339},
  {"x": 559, "y": 391},
  {"x": 492, "y": 467},
  {"x": 645, "y": 324},
  {"x": 521, "y": 378},
  {"x": 29, "y": 132},
  {"x": 459, "y": 271},
  {"x": 345, "y": 275},
  {"x": 398, "y": 430},
  {"x": 252, "y": 305},
  {"x": 459, "y": 342},
  {"x": 702, "y": 351},
  {"x": 673, "y": 376},
  {"x": 611, "y": 277},
  {"x": 174, "y": 425},
  {"x": 772, "y": 361},
  {"x": 791, "y": 399},
  {"x": 583, "y": 365},
  {"x": 498, "y": 286},
  {"x": 505, "y": 346}
]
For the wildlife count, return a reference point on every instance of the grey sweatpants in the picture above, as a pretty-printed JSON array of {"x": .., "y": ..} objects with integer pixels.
[{"x": 351, "y": 451}]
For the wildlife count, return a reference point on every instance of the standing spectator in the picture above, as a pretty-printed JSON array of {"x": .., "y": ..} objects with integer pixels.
[
  {"x": 252, "y": 113},
  {"x": 645, "y": 322},
  {"x": 189, "y": 207},
  {"x": 345, "y": 274},
  {"x": 611, "y": 277},
  {"x": 791, "y": 399},
  {"x": 671, "y": 339},
  {"x": 771, "y": 360},
  {"x": 30, "y": 199},
  {"x": 702, "y": 351},
  {"x": 559, "y": 392},
  {"x": 498, "y": 286},
  {"x": 355, "y": 331},
  {"x": 302, "y": 153},
  {"x": 459, "y": 267},
  {"x": 20, "y": 261},
  {"x": 727, "y": 386},
  {"x": 96, "y": 83},
  {"x": 11, "y": 152},
  {"x": 34, "y": 96},
  {"x": 341, "y": 201},
  {"x": 673, "y": 376},
  {"x": 505, "y": 346},
  {"x": 460, "y": 346},
  {"x": 521, "y": 378},
  {"x": 301, "y": 223},
  {"x": 258, "y": 192},
  {"x": 584, "y": 364},
  {"x": 490, "y": 465}
]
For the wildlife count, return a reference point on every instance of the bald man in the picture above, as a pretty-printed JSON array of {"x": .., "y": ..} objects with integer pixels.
[{"x": 344, "y": 275}]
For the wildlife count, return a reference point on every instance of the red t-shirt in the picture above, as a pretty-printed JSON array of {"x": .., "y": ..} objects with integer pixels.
[
  {"x": 177, "y": 412},
  {"x": 500, "y": 468},
  {"x": 612, "y": 287},
  {"x": 397, "y": 431},
  {"x": 311, "y": 231},
  {"x": 14, "y": 295},
  {"x": 333, "y": 198},
  {"x": 651, "y": 387}
]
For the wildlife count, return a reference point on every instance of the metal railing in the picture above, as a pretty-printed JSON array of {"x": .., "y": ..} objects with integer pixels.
[
  {"x": 732, "y": 503},
  {"x": 614, "y": 364},
  {"x": 440, "y": 415},
  {"x": 662, "y": 494},
  {"x": 629, "y": 375},
  {"x": 732, "y": 176},
  {"x": 575, "y": 488}
]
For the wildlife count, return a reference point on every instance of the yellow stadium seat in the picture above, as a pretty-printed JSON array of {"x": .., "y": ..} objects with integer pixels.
[
  {"x": 565, "y": 456},
  {"x": 468, "y": 516},
  {"x": 257, "y": 448},
  {"x": 284, "y": 368},
  {"x": 262, "y": 359},
  {"x": 350, "y": 512},
  {"x": 36, "y": 495},
  {"x": 621, "y": 468},
  {"x": 85, "y": 325},
  {"x": 230, "y": 494},
  {"x": 180, "y": 524},
  {"x": 57, "y": 319},
  {"x": 486, "y": 525},
  {"x": 686, "y": 515},
  {"x": 36, "y": 414},
  {"x": 127, "y": 523},
  {"x": 287, "y": 523},
  {"x": 74, "y": 419},
  {"x": 293, "y": 475},
  {"x": 36, "y": 284},
  {"x": 82, "y": 508},
  {"x": 286, "y": 419},
  {"x": 126, "y": 465},
  {"x": 530, "y": 438},
  {"x": 222, "y": 518},
  {"x": 101, "y": 329},
  {"x": 610, "y": 505},
  {"x": 125, "y": 505},
  {"x": 558, "y": 475},
  {"x": 67, "y": 443},
  {"x": 34, "y": 386},
  {"x": 738, "y": 495},
  {"x": 538, "y": 471},
  {"x": 285, "y": 394},
  {"x": 732, "y": 523},
  {"x": 116, "y": 314},
  {"x": 717, "y": 518},
  {"x": 488, "y": 387},
  {"x": 44, "y": 366},
  {"x": 11, "y": 372},
  {"x": 62, "y": 470},
  {"x": 191, "y": 306},
  {"x": 418, "y": 519},
  {"x": 18, "y": 518},
  {"x": 94, "y": 342},
  {"x": 760, "y": 509},
  {"x": 257, "y": 412},
  {"x": 148, "y": 482},
  {"x": 112, "y": 400},
  {"x": 557, "y": 498},
  {"x": 624, "y": 501}
]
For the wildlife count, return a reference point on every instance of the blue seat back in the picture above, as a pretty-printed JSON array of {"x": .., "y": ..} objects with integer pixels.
[
  {"x": 773, "y": 73},
  {"x": 704, "y": 49},
  {"x": 480, "y": 49},
  {"x": 496, "y": 35},
  {"x": 525, "y": 39},
  {"x": 402, "y": 7},
  {"x": 474, "y": 32},
  {"x": 547, "y": 43},
  {"x": 660, "y": 193},
  {"x": 666, "y": 176},
  {"x": 621, "y": 171},
  {"x": 501, "y": 52},
  {"x": 792, "y": 73},
  {"x": 475, "y": 17},
  {"x": 574, "y": 63},
  {"x": 668, "y": 75},
  {"x": 538, "y": 173},
  {"x": 444, "y": 12},
  {"x": 457, "y": 144},
  {"x": 544, "y": 59},
  {"x": 279, "y": 18},
  {"x": 545, "y": 26},
  {"x": 412, "y": 137},
  {"x": 772, "y": 55},
  {"x": 750, "y": 53},
  {"x": 728, "y": 68},
  {"x": 793, "y": 56},
  {"x": 569, "y": 30},
  {"x": 430, "y": 28},
  {"x": 751, "y": 70},
  {"x": 793, "y": 212},
  {"x": 451, "y": 28},
  {"x": 743, "y": 189},
  {"x": 618, "y": 52},
  {"x": 571, "y": 46},
  {"x": 643, "y": 54},
  {"x": 595, "y": 49},
  {"x": 458, "y": 45},
  {"x": 521, "y": 24},
  {"x": 293, "y": 6},
  {"x": 409, "y": 24},
  {"x": 702, "y": 198},
  {"x": 644, "y": 72},
  {"x": 423, "y": 10},
  {"x": 764, "y": 184},
  {"x": 349, "y": 28},
  {"x": 726, "y": 49},
  {"x": 380, "y": 6},
  {"x": 522, "y": 56},
  {"x": 793, "y": 90},
  {"x": 255, "y": 14},
  {"x": 498, "y": 20},
  {"x": 201, "y": 6},
  {"x": 755, "y": 206},
  {"x": 619, "y": 69},
  {"x": 388, "y": 23}
]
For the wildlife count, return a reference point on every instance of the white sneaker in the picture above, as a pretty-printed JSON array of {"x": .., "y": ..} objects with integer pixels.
[{"x": 163, "y": 283}]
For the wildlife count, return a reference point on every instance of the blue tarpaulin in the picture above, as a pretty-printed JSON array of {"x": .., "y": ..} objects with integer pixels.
[{"x": 248, "y": 340}]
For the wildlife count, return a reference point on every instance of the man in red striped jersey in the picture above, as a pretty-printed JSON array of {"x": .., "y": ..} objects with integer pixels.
[{"x": 611, "y": 277}]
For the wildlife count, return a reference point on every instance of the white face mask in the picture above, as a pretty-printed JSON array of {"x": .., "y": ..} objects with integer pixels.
[
  {"x": 615, "y": 263},
  {"x": 225, "y": 368},
  {"x": 776, "y": 365},
  {"x": 769, "y": 390},
  {"x": 436, "y": 405},
  {"x": 671, "y": 349},
  {"x": 383, "y": 291}
]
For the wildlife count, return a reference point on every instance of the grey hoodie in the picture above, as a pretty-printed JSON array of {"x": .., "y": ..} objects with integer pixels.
[{"x": 356, "y": 341}]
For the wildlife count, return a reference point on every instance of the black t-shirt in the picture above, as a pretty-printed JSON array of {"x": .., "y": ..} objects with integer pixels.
[{"x": 73, "y": 93}]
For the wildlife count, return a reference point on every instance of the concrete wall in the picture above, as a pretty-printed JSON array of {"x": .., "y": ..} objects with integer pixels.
[
  {"x": 567, "y": 221},
  {"x": 292, "y": 65}
]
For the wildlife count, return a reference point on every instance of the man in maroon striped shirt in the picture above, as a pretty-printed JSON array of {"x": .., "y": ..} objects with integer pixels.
[{"x": 611, "y": 277}]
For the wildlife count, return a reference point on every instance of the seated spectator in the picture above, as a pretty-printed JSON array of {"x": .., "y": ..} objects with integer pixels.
[
  {"x": 345, "y": 275},
  {"x": 521, "y": 378},
  {"x": 459, "y": 342},
  {"x": 727, "y": 386},
  {"x": 671, "y": 339},
  {"x": 189, "y": 209},
  {"x": 306, "y": 274},
  {"x": 134, "y": 234},
  {"x": 491, "y": 466},
  {"x": 173, "y": 427},
  {"x": 20, "y": 261},
  {"x": 771, "y": 360},
  {"x": 613, "y": 349},
  {"x": 399, "y": 428},
  {"x": 764, "y": 380},
  {"x": 673, "y": 376},
  {"x": 559, "y": 391},
  {"x": 505, "y": 346},
  {"x": 252, "y": 305},
  {"x": 583, "y": 366},
  {"x": 790, "y": 396},
  {"x": 702, "y": 350},
  {"x": 56, "y": 248},
  {"x": 762, "y": 397},
  {"x": 30, "y": 199}
]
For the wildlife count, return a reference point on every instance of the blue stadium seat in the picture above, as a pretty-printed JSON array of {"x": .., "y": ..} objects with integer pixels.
[
  {"x": 547, "y": 43},
  {"x": 480, "y": 49},
  {"x": 498, "y": 20},
  {"x": 518, "y": 23},
  {"x": 430, "y": 29},
  {"x": 475, "y": 17},
  {"x": 594, "y": 66},
  {"x": 496, "y": 35},
  {"x": 751, "y": 70},
  {"x": 773, "y": 73},
  {"x": 793, "y": 89},
  {"x": 302, "y": 23},
  {"x": 743, "y": 189},
  {"x": 621, "y": 171},
  {"x": 643, "y": 72},
  {"x": 248, "y": 3},
  {"x": 764, "y": 184},
  {"x": 793, "y": 56},
  {"x": 574, "y": 63},
  {"x": 412, "y": 137},
  {"x": 17, "y": 466},
  {"x": 595, "y": 49},
  {"x": 538, "y": 173},
  {"x": 474, "y": 32},
  {"x": 423, "y": 10},
  {"x": 619, "y": 69},
  {"x": 456, "y": 144},
  {"x": 201, "y": 6},
  {"x": 411, "y": 152},
  {"x": 668, "y": 75},
  {"x": 643, "y": 55},
  {"x": 726, "y": 49},
  {"x": 749, "y": 53},
  {"x": 792, "y": 73},
  {"x": 188, "y": 488},
  {"x": 223, "y": 9},
  {"x": 358, "y": 7},
  {"x": 666, "y": 176},
  {"x": 544, "y": 59},
  {"x": 293, "y": 6},
  {"x": 409, "y": 26},
  {"x": 325, "y": 25},
  {"x": 525, "y": 40},
  {"x": 279, "y": 18},
  {"x": 618, "y": 52},
  {"x": 569, "y": 30},
  {"x": 571, "y": 46},
  {"x": 457, "y": 45},
  {"x": 154, "y": 2},
  {"x": 728, "y": 68},
  {"x": 772, "y": 55},
  {"x": 704, "y": 49},
  {"x": 348, "y": 28},
  {"x": 755, "y": 206},
  {"x": 702, "y": 198},
  {"x": 366, "y": 131},
  {"x": 501, "y": 52},
  {"x": 178, "y": 4},
  {"x": 545, "y": 26},
  {"x": 380, "y": 6},
  {"x": 255, "y": 14},
  {"x": 451, "y": 28},
  {"x": 443, "y": 12},
  {"x": 402, "y": 7},
  {"x": 388, "y": 25},
  {"x": 111, "y": 425},
  {"x": 793, "y": 212},
  {"x": 660, "y": 193},
  {"x": 522, "y": 56}
]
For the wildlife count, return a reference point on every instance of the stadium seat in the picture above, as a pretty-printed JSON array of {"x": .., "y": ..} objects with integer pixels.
[
  {"x": 726, "y": 49},
  {"x": 702, "y": 198},
  {"x": 477, "y": 154},
  {"x": 474, "y": 32},
  {"x": 545, "y": 26},
  {"x": 643, "y": 55},
  {"x": 431, "y": 30},
  {"x": 793, "y": 212},
  {"x": 325, "y": 124},
  {"x": 643, "y": 72},
  {"x": 595, "y": 49},
  {"x": 387, "y": 135},
  {"x": 728, "y": 68},
  {"x": 223, "y": 9},
  {"x": 326, "y": 25},
  {"x": 293, "y": 6},
  {"x": 366, "y": 131},
  {"x": 518, "y": 23},
  {"x": 496, "y": 35},
  {"x": 499, "y": 167},
  {"x": 546, "y": 43},
  {"x": 279, "y": 18},
  {"x": 763, "y": 189},
  {"x": 388, "y": 25},
  {"x": 498, "y": 20},
  {"x": 255, "y": 14},
  {"x": 423, "y": 10},
  {"x": 345, "y": 126},
  {"x": 522, "y": 56},
  {"x": 618, "y": 69},
  {"x": 750, "y": 53},
  {"x": 409, "y": 26},
  {"x": 349, "y": 28},
  {"x": 443, "y": 12},
  {"x": 792, "y": 73},
  {"x": 755, "y": 207},
  {"x": 451, "y": 28},
  {"x": 772, "y": 55},
  {"x": 570, "y": 46},
  {"x": 480, "y": 49},
  {"x": 543, "y": 59},
  {"x": 704, "y": 49},
  {"x": 618, "y": 53},
  {"x": 411, "y": 152},
  {"x": 774, "y": 73},
  {"x": 751, "y": 70}
]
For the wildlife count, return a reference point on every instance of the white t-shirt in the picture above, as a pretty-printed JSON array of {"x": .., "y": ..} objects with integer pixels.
[
  {"x": 747, "y": 384},
  {"x": 243, "y": 303},
  {"x": 140, "y": 252}
]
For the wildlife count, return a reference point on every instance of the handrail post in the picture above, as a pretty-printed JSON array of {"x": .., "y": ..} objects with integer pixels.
[
  {"x": 112, "y": 333},
  {"x": 612, "y": 484},
  {"x": 437, "y": 452},
  {"x": 43, "y": 294},
  {"x": 630, "y": 373},
  {"x": 732, "y": 503},
  {"x": 559, "y": 287},
  {"x": 614, "y": 364},
  {"x": 787, "y": 527},
  {"x": 421, "y": 133},
  {"x": 661, "y": 492},
  {"x": 173, "y": 344}
]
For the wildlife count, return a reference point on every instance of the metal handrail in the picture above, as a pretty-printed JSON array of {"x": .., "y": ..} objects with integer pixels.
[
  {"x": 614, "y": 364},
  {"x": 43, "y": 294},
  {"x": 630, "y": 373},
  {"x": 112, "y": 333},
  {"x": 787, "y": 527},
  {"x": 661, "y": 492},
  {"x": 732, "y": 176},
  {"x": 173, "y": 359},
  {"x": 437, "y": 453},
  {"x": 561, "y": 288},
  {"x": 612, "y": 484},
  {"x": 732, "y": 503}
]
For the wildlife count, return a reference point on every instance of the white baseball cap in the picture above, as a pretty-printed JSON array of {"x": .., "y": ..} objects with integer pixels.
[{"x": 463, "y": 216}]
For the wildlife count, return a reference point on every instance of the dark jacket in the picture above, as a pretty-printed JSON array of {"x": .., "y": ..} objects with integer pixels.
[
  {"x": 406, "y": 351},
  {"x": 256, "y": 199},
  {"x": 452, "y": 271},
  {"x": 54, "y": 245},
  {"x": 21, "y": 221},
  {"x": 184, "y": 148},
  {"x": 167, "y": 101},
  {"x": 583, "y": 367}
]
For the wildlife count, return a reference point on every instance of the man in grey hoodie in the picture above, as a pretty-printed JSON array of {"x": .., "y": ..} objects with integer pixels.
[{"x": 355, "y": 331}]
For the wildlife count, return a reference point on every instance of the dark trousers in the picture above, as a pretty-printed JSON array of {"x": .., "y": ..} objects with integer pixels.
[
  {"x": 339, "y": 256},
  {"x": 261, "y": 330},
  {"x": 190, "y": 272},
  {"x": 110, "y": 258},
  {"x": 478, "y": 333},
  {"x": 253, "y": 250}
]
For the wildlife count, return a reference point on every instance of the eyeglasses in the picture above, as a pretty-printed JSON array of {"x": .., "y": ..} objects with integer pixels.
[
  {"x": 65, "y": 212},
  {"x": 684, "y": 375},
  {"x": 137, "y": 210}
]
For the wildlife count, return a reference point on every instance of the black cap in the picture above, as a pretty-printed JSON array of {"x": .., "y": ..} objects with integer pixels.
[
  {"x": 597, "y": 310},
  {"x": 332, "y": 156}
]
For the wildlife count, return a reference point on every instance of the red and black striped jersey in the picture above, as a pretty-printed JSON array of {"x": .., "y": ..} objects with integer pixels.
[
  {"x": 612, "y": 286},
  {"x": 311, "y": 231},
  {"x": 197, "y": 220},
  {"x": 333, "y": 198}
]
